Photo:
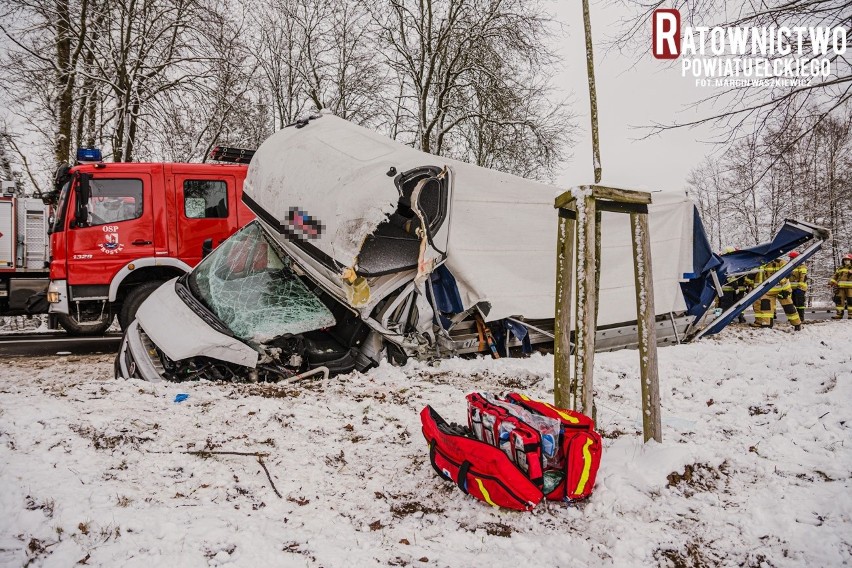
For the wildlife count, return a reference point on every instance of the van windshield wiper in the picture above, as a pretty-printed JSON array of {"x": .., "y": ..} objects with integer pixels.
[{"x": 199, "y": 308}]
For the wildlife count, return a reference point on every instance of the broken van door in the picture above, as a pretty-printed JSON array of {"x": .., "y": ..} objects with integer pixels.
[{"x": 412, "y": 236}]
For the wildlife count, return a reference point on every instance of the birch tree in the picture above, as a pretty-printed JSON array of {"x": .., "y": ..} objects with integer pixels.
[
  {"x": 168, "y": 79},
  {"x": 147, "y": 48},
  {"x": 221, "y": 106},
  {"x": 39, "y": 79}
]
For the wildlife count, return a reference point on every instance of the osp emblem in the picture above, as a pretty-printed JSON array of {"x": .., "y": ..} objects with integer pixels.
[{"x": 111, "y": 245}]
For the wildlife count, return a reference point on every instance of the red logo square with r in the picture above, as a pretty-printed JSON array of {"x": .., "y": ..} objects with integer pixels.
[{"x": 665, "y": 24}]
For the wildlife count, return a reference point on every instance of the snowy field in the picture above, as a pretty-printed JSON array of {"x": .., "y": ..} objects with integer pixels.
[
  {"x": 754, "y": 469},
  {"x": 23, "y": 324}
]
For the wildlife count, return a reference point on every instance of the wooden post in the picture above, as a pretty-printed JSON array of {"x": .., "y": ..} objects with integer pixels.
[
  {"x": 562, "y": 324},
  {"x": 586, "y": 319},
  {"x": 598, "y": 217},
  {"x": 593, "y": 95},
  {"x": 651, "y": 424}
]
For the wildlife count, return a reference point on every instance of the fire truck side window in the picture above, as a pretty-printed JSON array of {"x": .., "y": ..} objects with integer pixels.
[
  {"x": 114, "y": 200},
  {"x": 205, "y": 199}
]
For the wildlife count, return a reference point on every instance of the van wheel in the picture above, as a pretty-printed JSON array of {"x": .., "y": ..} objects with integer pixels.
[
  {"x": 93, "y": 322},
  {"x": 133, "y": 300}
]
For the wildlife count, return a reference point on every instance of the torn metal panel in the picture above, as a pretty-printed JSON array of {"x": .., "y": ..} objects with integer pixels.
[
  {"x": 335, "y": 176},
  {"x": 793, "y": 234}
]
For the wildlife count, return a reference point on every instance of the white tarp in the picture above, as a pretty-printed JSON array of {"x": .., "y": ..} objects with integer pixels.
[
  {"x": 502, "y": 232},
  {"x": 505, "y": 251}
]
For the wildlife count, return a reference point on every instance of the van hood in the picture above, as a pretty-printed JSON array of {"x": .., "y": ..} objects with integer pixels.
[{"x": 186, "y": 334}]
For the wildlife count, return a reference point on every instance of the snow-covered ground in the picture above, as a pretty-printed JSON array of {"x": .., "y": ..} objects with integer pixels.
[
  {"x": 13, "y": 325},
  {"x": 754, "y": 469},
  {"x": 10, "y": 325}
]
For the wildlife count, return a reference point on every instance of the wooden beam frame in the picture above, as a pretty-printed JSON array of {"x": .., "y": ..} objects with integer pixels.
[
  {"x": 651, "y": 424},
  {"x": 579, "y": 236}
]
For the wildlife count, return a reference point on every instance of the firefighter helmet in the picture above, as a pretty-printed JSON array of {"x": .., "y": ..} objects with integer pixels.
[
  {"x": 729, "y": 250},
  {"x": 793, "y": 255},
  {"x": 847, "y": 256}
]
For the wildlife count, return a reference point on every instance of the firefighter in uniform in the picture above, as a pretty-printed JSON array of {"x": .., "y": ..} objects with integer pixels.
[
  {"x": 799, "y": 283},
  {"x": 764, "y": 308},
  {"x": 761, "y": 318},
  {"x": 841, "y": 282},
  {"x": 733, "y": 290}
]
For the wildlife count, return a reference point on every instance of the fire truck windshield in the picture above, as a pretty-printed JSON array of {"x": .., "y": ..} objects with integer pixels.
[{"x": 249, "y": 284}]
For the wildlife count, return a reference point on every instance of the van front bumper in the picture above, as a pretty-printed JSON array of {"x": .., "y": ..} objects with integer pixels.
[{"x": 135, "y": 359}]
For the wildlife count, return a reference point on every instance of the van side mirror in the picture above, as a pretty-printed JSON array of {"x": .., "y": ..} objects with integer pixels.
[
  {"x": 206, "y": 247},
  {"x": 81, "y": 203}
]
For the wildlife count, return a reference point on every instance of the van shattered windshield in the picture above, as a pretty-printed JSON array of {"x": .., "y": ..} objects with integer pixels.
[{"x": 250, "y": 286}]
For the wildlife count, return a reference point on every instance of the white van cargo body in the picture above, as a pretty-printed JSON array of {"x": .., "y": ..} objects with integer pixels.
[{"x": 365, "y": 248}]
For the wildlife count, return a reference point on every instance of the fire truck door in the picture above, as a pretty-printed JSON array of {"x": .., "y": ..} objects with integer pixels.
[
  {"x": 120, "y": 229},
  {"x": 207, "y": 209}
]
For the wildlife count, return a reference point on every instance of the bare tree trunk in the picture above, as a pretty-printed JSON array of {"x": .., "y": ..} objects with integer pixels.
[{"x": 65, "y": 83}]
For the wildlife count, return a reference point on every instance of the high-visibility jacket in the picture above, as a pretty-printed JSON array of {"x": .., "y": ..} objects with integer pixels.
[
  {"x": 842, "y": 278},
  {"x": 736, "y": 284},
  {"x": 799, "y": 278},
  {"x": 765, "y": 272}
]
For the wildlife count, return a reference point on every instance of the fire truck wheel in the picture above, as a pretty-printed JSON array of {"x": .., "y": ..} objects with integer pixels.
[
  {"x": 133, "y": 300},
  {"x": 87, "y": 327}
]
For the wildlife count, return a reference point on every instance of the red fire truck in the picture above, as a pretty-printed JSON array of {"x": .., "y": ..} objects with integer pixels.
[
  {"x": 121, "y": 229},
  {"x": 23, "y": 249}
]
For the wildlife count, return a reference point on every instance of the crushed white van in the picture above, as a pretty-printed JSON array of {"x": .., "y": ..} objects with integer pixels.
[{"x": 366, "y": 249}]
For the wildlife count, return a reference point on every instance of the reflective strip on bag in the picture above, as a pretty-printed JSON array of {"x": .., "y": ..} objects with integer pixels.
[
  {"x": 564, "y": 415},
  {"x": 587, "y": 467},
  {"x": 484, "y": 492}
]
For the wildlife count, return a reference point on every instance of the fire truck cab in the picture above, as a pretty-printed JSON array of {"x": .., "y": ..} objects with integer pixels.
[{"x": 122, "y": 229}]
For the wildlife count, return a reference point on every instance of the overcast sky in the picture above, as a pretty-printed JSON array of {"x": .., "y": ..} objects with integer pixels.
[{"x": 631, "y": 92}]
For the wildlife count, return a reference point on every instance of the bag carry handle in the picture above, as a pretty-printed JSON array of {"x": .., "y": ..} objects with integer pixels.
[
  {"x": 433, "y": 449},
  {"x": 462, "y": 482}
]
